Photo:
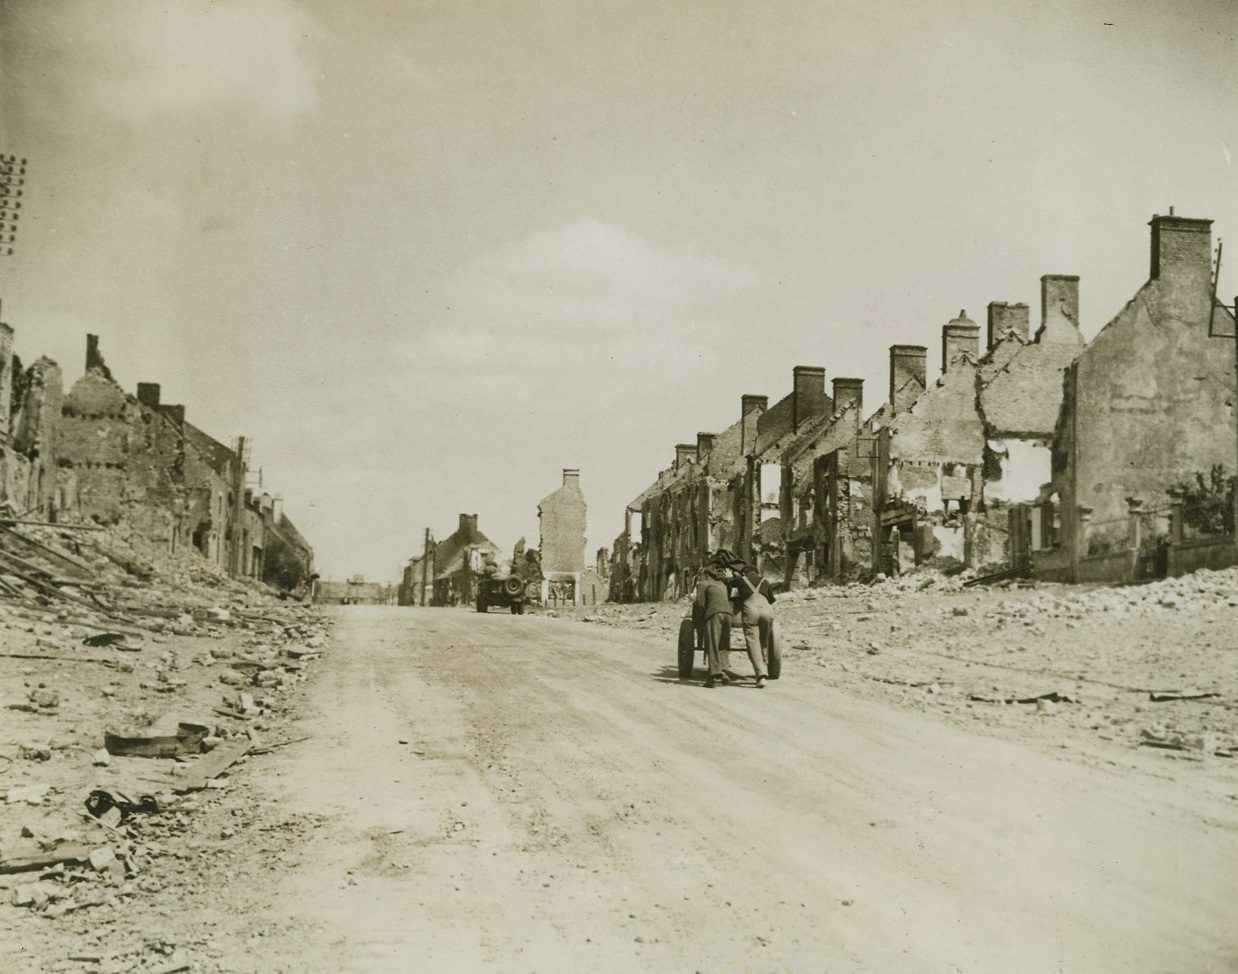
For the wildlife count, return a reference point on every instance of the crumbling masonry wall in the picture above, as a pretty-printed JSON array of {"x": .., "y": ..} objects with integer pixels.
[
  {"x": 1150, "y": 402},
  {"x": 33, "y": 439},
  {"x": 122, "y": 460}
]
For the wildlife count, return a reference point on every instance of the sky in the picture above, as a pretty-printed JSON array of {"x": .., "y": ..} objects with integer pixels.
[{"x": 425, "y": 255}]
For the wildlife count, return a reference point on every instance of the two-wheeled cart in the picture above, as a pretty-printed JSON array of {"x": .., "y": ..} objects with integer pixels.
[{"x": 692, "y": 641}]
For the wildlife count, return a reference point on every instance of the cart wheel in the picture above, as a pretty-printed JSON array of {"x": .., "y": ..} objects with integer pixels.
[
  {"x": 687, "y": 648},
  {"x": 773, "y": 653}
]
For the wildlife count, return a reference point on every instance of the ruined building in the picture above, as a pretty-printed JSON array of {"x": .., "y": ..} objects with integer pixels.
[
  {"x": 671, "y": 529},
  {"x": 1147, "y": 405},
  {"x": 826, "y": 476},
  {"x": 1036, "y": 451},
  {"x": 101, "y": 455},
  {"x": 929, "y": 460},
  {"x": 765, "y": 489},
  {"x": 954, "y": 462},
  {"x": 562, "y": 521},
  {"x": 28, "y": 480}
]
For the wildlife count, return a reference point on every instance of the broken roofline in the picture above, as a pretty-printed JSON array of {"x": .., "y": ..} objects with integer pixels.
[{"x": 813, "y": 436}]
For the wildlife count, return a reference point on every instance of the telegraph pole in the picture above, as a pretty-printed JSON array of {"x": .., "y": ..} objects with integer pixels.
[
  {"x": 1216, "y": 278},
  {"x": 12, "y": 183},
  {"x": 239, "y": 539},
  {"x": 425, "y": 564}
]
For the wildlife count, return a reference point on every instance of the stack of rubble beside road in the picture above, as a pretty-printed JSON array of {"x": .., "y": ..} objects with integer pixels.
[{"x": 132, "y": 683}]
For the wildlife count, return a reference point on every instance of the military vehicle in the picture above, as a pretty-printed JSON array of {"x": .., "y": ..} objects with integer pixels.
[{"x": 508, "y": 590}]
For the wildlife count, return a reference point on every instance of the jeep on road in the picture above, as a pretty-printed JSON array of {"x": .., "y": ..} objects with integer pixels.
[{"x": 506, "y": 591}]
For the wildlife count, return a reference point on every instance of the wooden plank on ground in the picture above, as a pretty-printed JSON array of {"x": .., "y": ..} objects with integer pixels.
[
  {"x": 212, "y": 764},
  {"x": 47, "y": 551},
  {"x": 20, "y": 862},
  {"x": 63, "y": 659}
]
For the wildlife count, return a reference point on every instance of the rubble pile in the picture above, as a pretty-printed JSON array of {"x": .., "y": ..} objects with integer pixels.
[
  {"x": 133, "y": 683},
  {"x": 1201, "y": 591},
  {"x": 1147, "y": 668}
]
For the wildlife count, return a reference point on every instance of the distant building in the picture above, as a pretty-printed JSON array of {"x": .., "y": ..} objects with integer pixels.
[
  {"x": 457, "y": 561},
  {"x": 562, "y": 521},
  {"x": 288, "y": 559},
  {"x": 355, "y": 591}
]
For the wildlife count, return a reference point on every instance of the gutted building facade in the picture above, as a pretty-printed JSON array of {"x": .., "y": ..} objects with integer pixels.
[
  {"x": 819, "y": 491},
  {"x": 119, "y": 460},
  {"x": 761, "y": 486},
  {"x": 563, "y": 520},
  {"x": 1147, "y": 405},
  {"x": 690, "y": 511}
]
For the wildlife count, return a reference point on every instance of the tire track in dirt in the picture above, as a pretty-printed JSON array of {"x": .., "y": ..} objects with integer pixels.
[{"x": 573, "y": 808}]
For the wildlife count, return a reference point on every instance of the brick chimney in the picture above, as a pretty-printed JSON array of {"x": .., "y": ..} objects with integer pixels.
[
  {"x": 468, "y": 523},
  {"x": 1059, "y": 307},
  {"x": 571, "y": 478},
  {"x": 1181, "y": 244},
  {"x": 684, "y": 453},
  {"x": 704, "y": 444},
  {"x": 959, "y": 336},
  {"x": 808, "y": 399},
  {"x": 1005, "y": 318},
  {"x": 148, "y": 394},
  {"x": 94, "y": 358},
  {"x": 846, "y": 392},
  {"x": 906, "y": 362},
  {"x": 750, "y": 409}
]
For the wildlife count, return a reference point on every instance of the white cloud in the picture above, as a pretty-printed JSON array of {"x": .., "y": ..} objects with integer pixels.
[{"x": 565, "y": 315}]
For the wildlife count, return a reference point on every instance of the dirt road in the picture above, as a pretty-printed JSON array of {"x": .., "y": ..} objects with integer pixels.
[{"x": 494, "y": 793}]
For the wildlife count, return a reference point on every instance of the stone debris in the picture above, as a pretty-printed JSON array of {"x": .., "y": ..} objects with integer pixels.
[
  {"x": 1159, "y": 736},
  {"x": 1013, "y": 654},
  {"x": 33, "y": 794},
  {"x": 44, "y": 698},
  {"x": 132, "y": 748}
]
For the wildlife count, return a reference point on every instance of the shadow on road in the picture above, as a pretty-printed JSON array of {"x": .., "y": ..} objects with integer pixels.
[{"x": 670, "y": 674}]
